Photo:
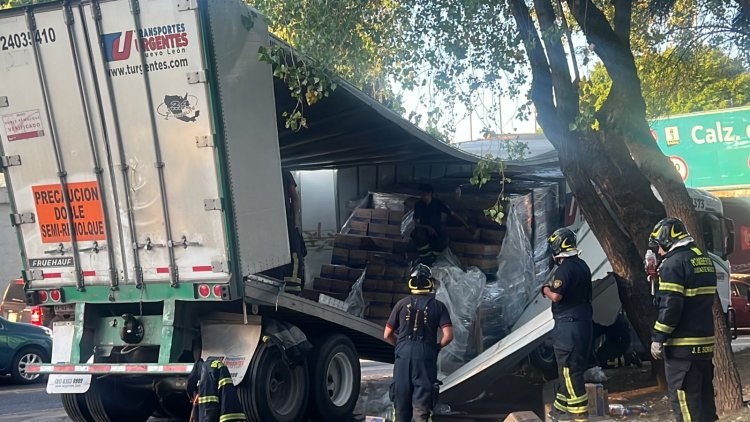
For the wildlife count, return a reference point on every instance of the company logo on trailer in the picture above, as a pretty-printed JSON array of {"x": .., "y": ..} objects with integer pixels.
[{"x": 155, "y": 41}]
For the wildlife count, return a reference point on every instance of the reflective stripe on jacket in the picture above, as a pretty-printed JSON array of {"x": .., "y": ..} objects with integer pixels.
[{"x": 687, "y": 286}]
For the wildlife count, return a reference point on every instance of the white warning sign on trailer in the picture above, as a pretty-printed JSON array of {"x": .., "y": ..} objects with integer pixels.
[{"x": 23, "y": 125}]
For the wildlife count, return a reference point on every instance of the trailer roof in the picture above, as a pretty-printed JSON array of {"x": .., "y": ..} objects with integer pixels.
[{"x": 349, "y": 129}]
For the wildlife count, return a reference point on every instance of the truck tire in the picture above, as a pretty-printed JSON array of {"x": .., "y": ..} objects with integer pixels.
[
  {"x": 335, "y": 378},
  {"x": 75, "y": 407},
  {"x": 543, "y": 359},
  {"x": 110, "y": 400},
  {"x": 272, "y": 390}
]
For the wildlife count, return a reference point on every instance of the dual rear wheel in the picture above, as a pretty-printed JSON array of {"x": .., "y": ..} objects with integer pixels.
[{"x": 325, "y": 386}]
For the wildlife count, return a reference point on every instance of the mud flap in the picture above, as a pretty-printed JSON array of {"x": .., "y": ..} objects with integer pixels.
[{"x": 63, "y": 336}]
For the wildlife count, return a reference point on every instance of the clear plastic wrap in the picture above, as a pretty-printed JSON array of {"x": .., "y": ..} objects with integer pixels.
[
  {"x": 461, "y": 291},
  {"x": 546, "y": 219},
  {"x": 375, "y": 400},
  {"x": 505, "y": 299},
  {"x": 407, "y": 224},
  {"x": 353, "y": 205},
  {"x": 389, "y": 201},
  {"x": 355, "y": 302}
]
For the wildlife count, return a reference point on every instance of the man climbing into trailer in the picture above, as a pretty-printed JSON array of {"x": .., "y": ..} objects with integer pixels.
[
  {"x": 683, "y": 333},
  {"x": 413, "y": 329},
  {"x": 571, "y": 295},
  {"x": 429, "y": 215}
]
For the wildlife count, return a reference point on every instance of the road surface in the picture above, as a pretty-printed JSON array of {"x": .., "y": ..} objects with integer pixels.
[{"x": 32, "y": 403}]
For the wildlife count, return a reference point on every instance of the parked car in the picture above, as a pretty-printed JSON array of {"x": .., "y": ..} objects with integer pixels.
[
  {"x": 21, "y": 345},
  {"x": 13, "y": 307},
  {"x": 741, "y": 301}
]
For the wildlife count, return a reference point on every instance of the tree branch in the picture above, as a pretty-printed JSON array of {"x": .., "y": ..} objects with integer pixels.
[
  {"x": 541, "y": 77},
  {"x": 566, "y": 94},
  {"x": 622, "y": 20},
  {"x": 616, "y": 55}
]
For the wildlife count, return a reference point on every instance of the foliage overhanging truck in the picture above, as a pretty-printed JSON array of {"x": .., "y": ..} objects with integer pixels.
[{"x": 141, "y": 152}]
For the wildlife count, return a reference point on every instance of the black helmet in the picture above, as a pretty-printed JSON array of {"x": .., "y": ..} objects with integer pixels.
[
  {"x": 562, "y": 243},
  {"x": 666, "y": 233},
  {"x": 420, "y": 279}
]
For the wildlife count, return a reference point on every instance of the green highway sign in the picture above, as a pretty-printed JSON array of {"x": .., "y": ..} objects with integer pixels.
[{"x": 710, "y": 150}]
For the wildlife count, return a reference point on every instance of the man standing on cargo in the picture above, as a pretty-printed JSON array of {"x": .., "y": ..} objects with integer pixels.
[
  {"x": 413, "y": 328},
  {"x": 683, "y": 333},
  {"x": 294, "y": 273},
  {"x": 429, "y": 214},
  {"x": 570, "y": 293}
]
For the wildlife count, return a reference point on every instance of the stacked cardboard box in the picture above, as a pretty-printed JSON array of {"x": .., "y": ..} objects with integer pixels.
[
  {"x": 336, "y": 280},
  {"x": 480, "y": 255},
  {"x": 355, "y": 250},
  {"x": 384, "y": 285},
  {"x": 376, "y": 222}
]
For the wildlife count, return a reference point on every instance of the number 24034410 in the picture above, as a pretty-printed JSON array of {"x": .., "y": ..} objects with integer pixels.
[{"x": 24, "y": 39}]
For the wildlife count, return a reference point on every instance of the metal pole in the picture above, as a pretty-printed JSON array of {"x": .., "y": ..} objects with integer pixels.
[{"x": 61, "y": 173}]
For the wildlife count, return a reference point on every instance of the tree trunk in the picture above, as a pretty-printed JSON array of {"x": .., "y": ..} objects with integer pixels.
[{"x": 727, "y": 383}]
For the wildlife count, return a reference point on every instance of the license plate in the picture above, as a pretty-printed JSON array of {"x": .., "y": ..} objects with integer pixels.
[
  {"x": 64, "y": 310},
  {"x": 68, "y": 383}
]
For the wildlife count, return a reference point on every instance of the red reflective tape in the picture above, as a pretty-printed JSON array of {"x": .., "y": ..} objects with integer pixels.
[
  {"x": 100, "y": 368},
  {"x": 175, "y": 368},
  {"x": 64, "y": 368},
  {"x": 33, "y": 368},
  {"x": 19, "y": 281},
  {"x": 136, "y": 368},
  {"x": 202, "y": 268},
  {"x": 89, "y": 273},
  {"x": 52, "y": 275},
  {"x": 162, "y": 270}
]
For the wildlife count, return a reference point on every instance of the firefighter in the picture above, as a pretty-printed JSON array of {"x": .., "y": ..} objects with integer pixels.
[
  {"x": 683, "y": 333},
  {"x": 413, "y": 329},
  {"x": 570, "y": 293},
  {"x": 294, "y": 273},
  {"x": 214, "y": 395}
]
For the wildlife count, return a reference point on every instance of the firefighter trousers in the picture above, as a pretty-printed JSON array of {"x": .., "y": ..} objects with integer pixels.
[
  {"x": 572, "y": 344},
  {"x": 415, "y": 386},
  {"x": 691, "y": 389}
]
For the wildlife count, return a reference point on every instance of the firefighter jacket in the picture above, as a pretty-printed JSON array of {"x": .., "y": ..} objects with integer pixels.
[
  {"x": 215, "y": 396},
  {"x": 687, "y": 285}
]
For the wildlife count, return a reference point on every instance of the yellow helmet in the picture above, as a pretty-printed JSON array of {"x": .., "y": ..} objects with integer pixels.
[{"x": 420, "y": 279}]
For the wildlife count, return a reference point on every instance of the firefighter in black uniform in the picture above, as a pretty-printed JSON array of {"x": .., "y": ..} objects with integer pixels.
[
  {"x": 413, "y": 328},
  {"x": 684, "y": 330},
  {"x": 570, "y": 293}
]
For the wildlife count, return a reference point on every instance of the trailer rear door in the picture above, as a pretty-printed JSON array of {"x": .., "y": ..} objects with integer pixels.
[{"x": 116, "y": 144}]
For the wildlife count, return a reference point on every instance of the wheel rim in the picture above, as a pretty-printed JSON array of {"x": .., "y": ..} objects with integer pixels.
[
  {"x": 23, "y": 364},
  {"x": 339, "y": 379},
  {"x": 281, "y": 384}
]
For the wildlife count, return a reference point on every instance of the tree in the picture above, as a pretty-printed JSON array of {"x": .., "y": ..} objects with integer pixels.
[
  {"x": 717, "y": 81},
  {"x": 607, "y": 156}
]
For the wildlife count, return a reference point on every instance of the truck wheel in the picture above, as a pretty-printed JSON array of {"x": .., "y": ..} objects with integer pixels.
[
  {"x": 75, "y": 407},
  {"x": 274, "y": 391},
  {"x": 335, "y": 380},
  {"x": 109, "y": 400},
  {"x": 543, "y": 359}
]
